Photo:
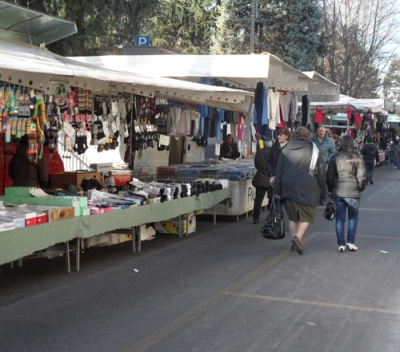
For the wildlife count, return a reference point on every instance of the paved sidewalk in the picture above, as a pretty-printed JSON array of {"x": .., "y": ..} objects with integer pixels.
[{"x": 224, "y": 288}]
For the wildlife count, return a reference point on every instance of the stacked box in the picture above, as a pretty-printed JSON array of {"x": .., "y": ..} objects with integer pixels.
[{"x": 18, "y": 191}]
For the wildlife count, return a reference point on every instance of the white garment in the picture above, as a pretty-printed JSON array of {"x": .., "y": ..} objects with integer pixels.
[{"x": 273, "y": 111}]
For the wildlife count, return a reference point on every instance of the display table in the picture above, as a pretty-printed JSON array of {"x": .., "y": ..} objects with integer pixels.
[
  {"x": 242, "y": 197},
  {"x": 18, "y": 243}
]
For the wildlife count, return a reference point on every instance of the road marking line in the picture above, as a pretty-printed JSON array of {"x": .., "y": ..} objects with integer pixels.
[
  {"x": 185, "y": 318},
  {"x": 311, "y": 303}
]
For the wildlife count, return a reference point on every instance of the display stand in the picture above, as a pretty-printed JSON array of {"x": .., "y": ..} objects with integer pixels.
[
  {"x": 243, "y": 194},
  {"x": 19, "y": 243}
]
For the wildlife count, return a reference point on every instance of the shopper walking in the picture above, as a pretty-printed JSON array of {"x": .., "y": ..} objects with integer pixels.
[
  {"x": 395, "y": 149},
  {"x": 300, "y": 174},
  {"x": 261, "y": 179},
  {"x": 327, "y": 149},
  {"x": 273, "y": 157},
  {"x": 346, "y": 179},
  {"x": 371, "y": 156}
]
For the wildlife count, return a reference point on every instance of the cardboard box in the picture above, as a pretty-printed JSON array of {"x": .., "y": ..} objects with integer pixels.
[
  {"x": 72, "y": 178},
  {"x": 6, "y": 226}
]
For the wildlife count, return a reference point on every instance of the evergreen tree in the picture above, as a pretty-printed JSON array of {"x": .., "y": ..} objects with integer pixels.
[
  {"x": 391, "y": 84},
  {"x": 287, "y": 29},
  {"x": 184, "y": 26},
  {"x": 102, "y": 25}
]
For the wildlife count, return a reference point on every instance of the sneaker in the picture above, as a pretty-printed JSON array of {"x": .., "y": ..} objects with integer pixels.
[
  {"x": 342, "y": 249},
  {"x": 395, "y": 167},
  {"x": 255, "y": 221},
  {"x": 351, "y": 247},
  {"x": 297, "y": 245},
  {"x": 292, "y": 248},
  {"x": 370, "y": 180}
]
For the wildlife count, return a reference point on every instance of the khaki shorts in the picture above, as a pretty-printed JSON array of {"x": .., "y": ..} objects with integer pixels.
[{"x": 299, "y": 212}]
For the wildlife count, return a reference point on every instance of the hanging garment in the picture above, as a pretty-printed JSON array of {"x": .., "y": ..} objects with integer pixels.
[
  {"x": 273, "y": 104},
  {"x": 258, "y": 104},
  {"x": 240, "y": 127},
  {"x": 319, "y": 116},
  {"x": 304, "y": 110},
  {"x": 285, "y": 99}
]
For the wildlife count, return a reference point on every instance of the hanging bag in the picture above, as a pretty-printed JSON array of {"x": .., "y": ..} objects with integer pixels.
[
  {"x": 330, "y": 211},
  {"x": 273, "y": 227}
]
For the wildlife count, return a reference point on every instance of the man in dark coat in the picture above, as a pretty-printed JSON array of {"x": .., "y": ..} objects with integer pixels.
[
  {"x": 300, "y": 175},
  {"x": 27, "y": 173}
]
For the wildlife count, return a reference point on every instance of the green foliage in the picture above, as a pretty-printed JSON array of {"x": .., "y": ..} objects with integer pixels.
[
  {"x": 391, "y": 84},
  {"x": 287, "y": 29},
  {"x": 102, "y": 25},
  {"x": 183, "y": 26}
]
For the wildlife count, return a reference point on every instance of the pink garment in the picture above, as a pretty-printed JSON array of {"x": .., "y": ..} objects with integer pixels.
[{"x": 240, "y": 127}]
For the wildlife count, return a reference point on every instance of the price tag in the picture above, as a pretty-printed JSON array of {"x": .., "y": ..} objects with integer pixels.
[
  {"x": 164, "y": 140},
  {"x": 68, "y": 129},
  {"x": 217, "y": 148}
]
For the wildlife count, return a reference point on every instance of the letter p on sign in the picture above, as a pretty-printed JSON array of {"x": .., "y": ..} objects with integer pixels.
[{"x": 142, "y": 40}]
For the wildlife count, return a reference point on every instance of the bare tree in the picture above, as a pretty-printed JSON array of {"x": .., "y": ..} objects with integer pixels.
[{"x": 360, "y": 43}]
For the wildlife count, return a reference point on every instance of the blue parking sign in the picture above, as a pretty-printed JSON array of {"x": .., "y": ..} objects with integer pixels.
[{"x": 142, "y": 40}]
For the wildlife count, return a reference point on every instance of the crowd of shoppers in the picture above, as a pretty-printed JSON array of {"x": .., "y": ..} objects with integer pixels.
[{"x": 302, "y": 167}]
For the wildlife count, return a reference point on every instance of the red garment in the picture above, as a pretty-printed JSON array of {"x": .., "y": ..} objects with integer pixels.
[
  {"x": 349, "y": 113},
  {"x": 281, "y": 122},
  {"x": 357, "y": 120},
  {"x": 319, "y": 116}
]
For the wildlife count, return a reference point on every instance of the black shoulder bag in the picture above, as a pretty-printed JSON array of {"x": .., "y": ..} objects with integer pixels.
[{"x": 273, "y": 227}]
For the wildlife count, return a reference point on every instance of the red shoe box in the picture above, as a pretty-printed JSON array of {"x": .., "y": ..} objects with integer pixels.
[{"x": 42, "y": 218}]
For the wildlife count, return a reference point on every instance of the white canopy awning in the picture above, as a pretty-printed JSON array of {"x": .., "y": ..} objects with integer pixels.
[
  {"x": 39, "y": 68},
  {"x": 239, "y": 71},
  {"x": 323, "y": 90},
  {"x": 362, "y": 105}
]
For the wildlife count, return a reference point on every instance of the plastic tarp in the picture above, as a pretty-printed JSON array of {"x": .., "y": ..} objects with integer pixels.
[
  {"x": 393, "y": 118},
  {"x": 35, "y": 67},
  {"x": 239, "y": 71}
]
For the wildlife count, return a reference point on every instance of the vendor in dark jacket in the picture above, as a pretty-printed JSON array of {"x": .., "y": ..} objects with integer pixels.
[
  {"x": 229, "y": 149},
  {"x": 27, "y": 173},
  {"x": 371, "y": 155}
]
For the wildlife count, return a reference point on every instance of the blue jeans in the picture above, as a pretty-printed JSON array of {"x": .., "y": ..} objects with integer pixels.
[
  {"x": 369, "y": 166},
  {"x": 396, "y": 161},
  {"x": 352, "y": 205}
]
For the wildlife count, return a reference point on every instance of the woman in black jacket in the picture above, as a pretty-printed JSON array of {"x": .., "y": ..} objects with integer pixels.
[
  {"x": 272, "y": 158},
  {"x": 371, "y": 155},
  {"x": 260, "y": 181},
  {"x": 346, "y": 179}
]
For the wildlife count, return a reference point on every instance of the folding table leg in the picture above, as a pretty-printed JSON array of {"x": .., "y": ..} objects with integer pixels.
[
  {"x": 133, "y": 239},
  {"x": 67, "y": 257},
  {"x": 78, "y": 254}
]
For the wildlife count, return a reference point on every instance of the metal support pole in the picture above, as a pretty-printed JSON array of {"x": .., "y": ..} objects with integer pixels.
[{"x": 252, "y": 24}]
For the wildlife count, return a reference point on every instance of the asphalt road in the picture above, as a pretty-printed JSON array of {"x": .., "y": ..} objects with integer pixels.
[{"x": 224, "y": 288}]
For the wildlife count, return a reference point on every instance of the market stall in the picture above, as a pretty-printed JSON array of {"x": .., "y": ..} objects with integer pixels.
[{"x": 21, "y": 242}]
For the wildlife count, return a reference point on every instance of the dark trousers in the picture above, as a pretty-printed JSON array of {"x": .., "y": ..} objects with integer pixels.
[
  {"x": 369, "y": 166},
  {"x": 260, "y": 194}
]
